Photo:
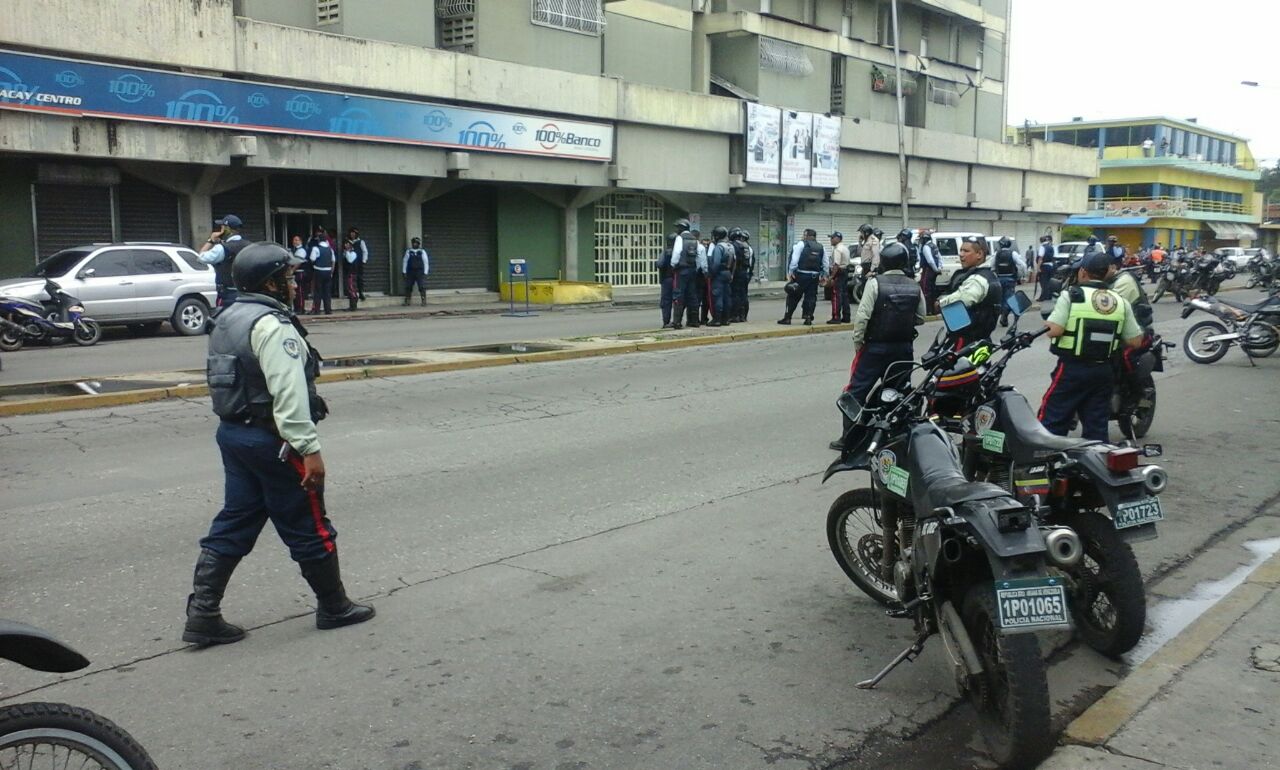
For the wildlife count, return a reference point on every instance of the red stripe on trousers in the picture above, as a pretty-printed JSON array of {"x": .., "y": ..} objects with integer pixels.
[
  {"x": 1057, "y": 377},
  {"x": 317, "y": 508},
  {"x": 853, "y": 368}
]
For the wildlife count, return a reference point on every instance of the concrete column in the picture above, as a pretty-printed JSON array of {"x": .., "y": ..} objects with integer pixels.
[
  {"x": 199, "y": 204},
  {"x": 701, "y": 75},
  {"x": 407, "y": 224},
  {"x": 570, "y": 263}
]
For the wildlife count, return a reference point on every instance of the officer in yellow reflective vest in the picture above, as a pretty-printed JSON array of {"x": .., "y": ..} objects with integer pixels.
[{"x": 1088, "y": 324}]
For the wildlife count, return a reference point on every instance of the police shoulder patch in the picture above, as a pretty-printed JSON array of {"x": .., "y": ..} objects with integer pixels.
[
  {"x": 292, "y": 347},
  {"x": 1104, "y": 302}
]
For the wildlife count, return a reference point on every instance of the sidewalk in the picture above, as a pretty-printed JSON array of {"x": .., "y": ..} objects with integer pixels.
[{"x": 1206, "y": 699}]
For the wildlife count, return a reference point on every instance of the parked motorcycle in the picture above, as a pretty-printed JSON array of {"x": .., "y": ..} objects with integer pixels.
[
  {"x": 38, "y": 735},
  {"x": 1254, "y": 327},
  {"x": 1262, "y": 272},
  {"x": 1096, "y": 489},
  {"x": 63, "y": 319},
  {"x": 961, "y": 559}
]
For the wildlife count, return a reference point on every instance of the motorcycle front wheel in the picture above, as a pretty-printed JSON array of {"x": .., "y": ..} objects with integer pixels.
[
  {"x": 1196, "y": 347},
  {"x": 1161, "y": 287},
  {"x": 1011, "y": 695},
  {"x": 856, "y": 537},
  {"x": 88, "y": 332},
  {"x": 1108, "y": 602},
  {"x": 58, "y": 735}
]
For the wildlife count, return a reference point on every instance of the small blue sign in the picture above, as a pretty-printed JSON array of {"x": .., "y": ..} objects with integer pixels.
[{"x": 517, "y": 268}]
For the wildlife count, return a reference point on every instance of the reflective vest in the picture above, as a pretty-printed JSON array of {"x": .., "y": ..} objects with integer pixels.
[{"x": 1094, "y": 324}]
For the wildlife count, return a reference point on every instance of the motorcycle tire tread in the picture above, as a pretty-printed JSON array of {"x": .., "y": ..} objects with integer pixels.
[
  {"x": 21, "y": 717},
  {"x": 1103, "y": 543},
  {"x": 854, "y": 498}
]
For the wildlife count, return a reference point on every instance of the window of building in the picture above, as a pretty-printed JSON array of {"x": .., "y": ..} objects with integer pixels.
[
  {"x": 1086, "y": 137},
  {"x": 1118, "y": 136},
  {"x": 784, "y": 58},
  {"x": 943, "y": 93},
  {"x": 837, "y": 85},
  {"x": 328, "y": 12},
  {"x": 456, "y": 25},
  {"x": 584, "y": 16},
  {"x": 1067, "y": 136}
]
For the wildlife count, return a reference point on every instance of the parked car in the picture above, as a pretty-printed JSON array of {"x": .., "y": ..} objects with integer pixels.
[
  {"x": 1071, "y": 249},
  {"x": 993, "y": 244},
  {"x": 1236, "y": 256},
  {"x": 948, "y": 246},
  {"x": 137, "y": 284}
]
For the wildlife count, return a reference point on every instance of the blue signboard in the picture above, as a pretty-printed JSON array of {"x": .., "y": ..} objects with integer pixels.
[{"x": 70, "y": 87}]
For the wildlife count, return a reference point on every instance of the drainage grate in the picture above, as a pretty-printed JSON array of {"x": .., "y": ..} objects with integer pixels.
[
  {"x": 76, "y": 388},
  {"x": 507, "y": 348},
  {"x": 359, "y": 361}
]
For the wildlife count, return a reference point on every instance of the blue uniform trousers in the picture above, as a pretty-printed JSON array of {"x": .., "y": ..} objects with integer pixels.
[
  {"x": 685, "y": 297},
  {"x": 721, "y": 289},
  {"x": 808, "y": 294},
  {"x": 1046, "y": 275},
  {"x": 261, "y": 486},
  {"x": 870, "y": 363},
  {"x": 665, "y": 299},
  {"x": 740, "y": 304},
  {"x": 1079, "y": 388},
  {"x": 1007, "y": 288}
]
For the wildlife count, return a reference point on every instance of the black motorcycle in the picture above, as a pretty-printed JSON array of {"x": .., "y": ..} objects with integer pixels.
[
  {"x": 55, "y": 735},
  {"x": 962, "y": 559},
  {"x": 1254, "y": 327},
  {"x": 1262, "y": 272}
]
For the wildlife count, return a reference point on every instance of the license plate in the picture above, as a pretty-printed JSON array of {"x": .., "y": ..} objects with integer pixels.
[
  {"x": 1031, "y": 604},
  {"x": 1138, "y": 512}
]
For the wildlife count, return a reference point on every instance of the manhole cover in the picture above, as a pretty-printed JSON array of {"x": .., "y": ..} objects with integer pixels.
[{"x": 508, "y": 348}]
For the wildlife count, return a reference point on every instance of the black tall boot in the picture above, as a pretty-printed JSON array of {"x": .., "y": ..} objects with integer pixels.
[
  {"x": 333, "y": 608},
  {"x": 205, "y": 625}
]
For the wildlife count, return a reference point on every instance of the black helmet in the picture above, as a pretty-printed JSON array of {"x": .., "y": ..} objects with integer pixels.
[
  {"x": 878, "y": 233},
  {"x": 1046, "y": 238},
  {"x": 735, "y": 233},
  {"x": 682, "y": 225},
  {"x": 719, "y": 233},
  {"x": 746, "y": 236},
  {"x": 894, "y": 256},
  {"x": 904, "y": 236},
  {"x": 256, "y": 263},
  {"x": 1005, "y": 242},
  {"x": 792, "y": 289},
  {"x": 865, "y": 229}
]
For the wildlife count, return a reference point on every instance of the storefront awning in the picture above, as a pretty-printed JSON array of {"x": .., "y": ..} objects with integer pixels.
[
  {"x": 1233, "y": 231},
  {"x": 1088, "y": 221}
]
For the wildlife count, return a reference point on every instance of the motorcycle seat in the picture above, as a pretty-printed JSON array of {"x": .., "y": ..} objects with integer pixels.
[
  {"x": 1026, "y": 439},
  {"x": 934, "y": 464},
  {"x": 1269, "y": 301}
]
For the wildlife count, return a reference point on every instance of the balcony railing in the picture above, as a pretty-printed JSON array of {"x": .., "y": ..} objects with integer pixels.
[
  {"x": 1164, "y": 206},
  {"x": 1158, "y": 154}
]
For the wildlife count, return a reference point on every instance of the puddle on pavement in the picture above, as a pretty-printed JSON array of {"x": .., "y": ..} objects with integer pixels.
[
  {"x": 77, "y": 388},
  {"x": 507, "y": 348},
  {"x": 1168, "y": 618},
  {"x": 359, "y": 361}
]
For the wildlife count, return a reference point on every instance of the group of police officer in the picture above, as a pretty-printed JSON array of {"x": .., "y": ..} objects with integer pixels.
[{"x": 705, "y": 281}]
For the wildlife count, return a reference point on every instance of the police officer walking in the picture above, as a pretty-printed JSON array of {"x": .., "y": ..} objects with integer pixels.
[
  {"x": 320, "y": 253},
  {"x": 220, "y": 250},
  {"x": 808, "y": 264},
  {"x": 744, "y": 269},
  {"x": 415, "y": 266},
  {"x": 688, "y": 261},
  {"x": 1046, "y": 259},
  {"x": 840, "y": 264},
  {"x": 261, "y": 373},
  {"x": 977, "y": 286},
  {"x": 720, "y": 275},
  {"x": 1010, "y": 268},
  {"x": 884, "y": 326},
  {"x": 1087, "y": 326}
]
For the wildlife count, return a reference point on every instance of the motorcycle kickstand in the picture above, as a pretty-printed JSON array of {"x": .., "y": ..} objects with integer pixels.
[{"x": 906, "y": 656}]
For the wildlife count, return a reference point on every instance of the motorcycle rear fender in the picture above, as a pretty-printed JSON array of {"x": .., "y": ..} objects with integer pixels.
[
  {"x": 978, "y": 520},
  {"x": 29, "y": 646},
  {"x": 1115, "y": 488}
]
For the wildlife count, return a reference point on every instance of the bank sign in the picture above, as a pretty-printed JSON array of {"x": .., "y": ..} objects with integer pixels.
[{"x": 79, "y": 88}]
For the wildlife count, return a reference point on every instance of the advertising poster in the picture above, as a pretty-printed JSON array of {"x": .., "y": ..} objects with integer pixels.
[
  {"x": 826, "y": 151},
  {"x": 797, "y": 147},
  {"x": 764, "y": 130}
]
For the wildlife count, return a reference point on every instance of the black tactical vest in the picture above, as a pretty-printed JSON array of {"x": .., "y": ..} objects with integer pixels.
[
  {"x": 416, "y": 263},
  {"x": 894, "y": 316},
  {"x": 984, "y": 315},
  {"x": 1006, "y": 267},
  {"x": 222, "y": 270},
  {"x": 811, "y": 257},
  {"x": 688, "y": 253}
]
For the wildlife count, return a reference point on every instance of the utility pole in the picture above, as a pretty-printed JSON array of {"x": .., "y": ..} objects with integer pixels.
[{"x": 902, "y": 147}]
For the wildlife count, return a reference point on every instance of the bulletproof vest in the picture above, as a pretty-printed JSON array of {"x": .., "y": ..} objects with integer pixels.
[
  {"x": 1046, "y": 257},
  {"x": 688, "y": 253},
  {"x": 741, "y": 262},
  {"x": 664, "y": 259},
  {"x": 1093, "y": 325},
  {"x": 984, "y": 315},
  {"x": 811, "y": 258},
  {"x": 749, "y": 259},
  {"x": 237, "y": 384},
  {"x": 894, "y": 317},
  {"x": 324, "y": 260},
  {"x": 1005, "y": 265},
  {"x": 222, "y": 270},
  {"x": 416, "y": 264}
]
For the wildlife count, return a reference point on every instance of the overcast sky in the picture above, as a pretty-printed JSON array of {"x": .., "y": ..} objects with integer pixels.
[{"x": 1136, "y": 58}]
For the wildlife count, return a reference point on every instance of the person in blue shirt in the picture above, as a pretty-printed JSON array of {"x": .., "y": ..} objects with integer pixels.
[
  {"x": 220, "y": 251},
  {"x": 322, "y": 258},
  {"x": 809, "y": 264}
]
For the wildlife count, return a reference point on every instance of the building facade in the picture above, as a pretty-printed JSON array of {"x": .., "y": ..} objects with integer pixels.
[
  {"x": 569, "y": 133},
  {"x": 1167, "y": 181}
]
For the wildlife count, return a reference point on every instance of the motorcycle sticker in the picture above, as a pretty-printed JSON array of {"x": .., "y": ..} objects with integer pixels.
[
  {"x": 983, "y": 419},
  {"x": 884, "y": 462},
  {"x": 897, "y": 481},
  {"x": 992, "y": 441}
]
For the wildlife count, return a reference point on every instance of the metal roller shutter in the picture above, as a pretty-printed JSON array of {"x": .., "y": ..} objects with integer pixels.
[
  {"x": 819, "y": 222},
  {"x": 730, "y": 214},
  {"x": 71, "y": 215},
  {"x": 461, "y": 235},
  {"x": 147, "y": 213},
  {"x": 247, "y": 202},
  {"x": 368, "y": 211}
]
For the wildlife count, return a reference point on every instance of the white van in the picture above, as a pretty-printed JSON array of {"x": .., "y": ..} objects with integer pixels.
[{"x": 948, "y": 248}]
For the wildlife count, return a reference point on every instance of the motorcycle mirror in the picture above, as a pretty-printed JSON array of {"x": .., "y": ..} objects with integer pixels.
[
  {"x": 1152, "y": 450},
  {"x": 1019, "y": 302},
  {"x": 955, "y": 316}
]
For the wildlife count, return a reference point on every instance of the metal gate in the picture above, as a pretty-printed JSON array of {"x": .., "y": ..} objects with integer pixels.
[
  {"x": 628, "y": 239},
  {"x": 461, "y": 237},
  {"x": 148, "y": 213},
  {"x": 247, "y": 202},
  {"x": 368, "y": 211},
  {"x": 71, "y": 215}
]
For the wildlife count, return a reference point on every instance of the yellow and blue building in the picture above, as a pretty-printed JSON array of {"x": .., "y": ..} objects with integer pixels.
[{"x": 1165, "y": 180}]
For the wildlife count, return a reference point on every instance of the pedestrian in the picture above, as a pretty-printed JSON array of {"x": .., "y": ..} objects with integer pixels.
[
  {"x": 220, "y": 250},
  {"x": 688, "y": 260},
  {"x": 720, "y": 264},
  {"x": 809, "y": 264},
  {"x": 1047, "y": 261},
  {"x": 261, "y": 373},
  {"x": 320, "y": 254},
  {"x": 361, "y": 248},
  {"x": 1087, "y": 326},
  {"x": 301, "y": 274},
  {"x": 977, "y": 287},
  {"x": 1010, "y": 270},
  {"x": 930, "y": 269},
  {"x": 663, "y": 265},
  {"x": 839, "y": 279},
  {"x": 884, "y": 327},
  {"x": 415, "y": 266},
  {"x": 703, "y": 284},
  {"x": 1115, "y": 251},
  {"x": 350, "y": 262},
  {"x": 744, "y": 271}
]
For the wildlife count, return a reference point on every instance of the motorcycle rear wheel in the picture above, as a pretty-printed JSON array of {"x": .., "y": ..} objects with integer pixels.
[
  {"x": 58, "y": 735},
  {"x": 1143, "y": 416},
  {"x": 88, "y": 332},
  {"x": 11, "y": 341},
  {"x": 1205, "y": 352},
  {"x": 1011, "y": 695},
  {"x": 856, "y": 540},
  {"x": 1108, "y": 602}
]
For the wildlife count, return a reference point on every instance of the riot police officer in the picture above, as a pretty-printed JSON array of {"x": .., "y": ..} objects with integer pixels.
[
  {"x": 720, "y": 275},
  {"x": 930, "y": 268},
  {"x": 1088, "y": 324},
  {"x": 808, "y": 265},
  {"x": 261, "y": 373},
  {"x": 884, "y": 326},
  {"x": 745, "y": 267},
  {"x": 1092, "y": 246},
  {"x": 1009, "y": 268},
  {"x": 977, "y": 286},
  {"x": 1116, "y": 251},
  {"x": 688, "y": 261},
  {"x": 1046, "y": 258},
  {"x": 665, "y": 274},
  {"x": 905, "y": 237}
]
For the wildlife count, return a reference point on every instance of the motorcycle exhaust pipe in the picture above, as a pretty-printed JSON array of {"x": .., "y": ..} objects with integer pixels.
[
  {"x": 1154, "y": 478},
  {"x": 1062, "y": 546},
  {"x": 952, "y": 552}
]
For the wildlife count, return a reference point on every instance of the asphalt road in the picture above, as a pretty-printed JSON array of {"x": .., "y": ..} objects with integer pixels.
[{"x": 605, "y": 563}]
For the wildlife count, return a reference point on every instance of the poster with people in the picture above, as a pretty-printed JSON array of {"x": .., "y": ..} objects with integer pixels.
[
  {"x": 826, "y": 151},
  {"x": 797, "y": 147},
  {"x": 764, "y": 130}
]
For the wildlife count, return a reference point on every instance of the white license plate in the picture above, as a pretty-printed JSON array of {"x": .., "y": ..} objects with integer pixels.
[
  {"x": 1032, "y": 604},
  {"x": 1138, "y": 512}
]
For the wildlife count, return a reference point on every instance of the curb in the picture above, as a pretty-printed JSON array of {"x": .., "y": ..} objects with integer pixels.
[
  {"x": 71, "y": 403},
  {"x": 1101, "y": 721}
]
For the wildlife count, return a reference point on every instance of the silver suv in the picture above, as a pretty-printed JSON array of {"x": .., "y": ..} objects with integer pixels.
[{"x": 138, "y": 284}]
